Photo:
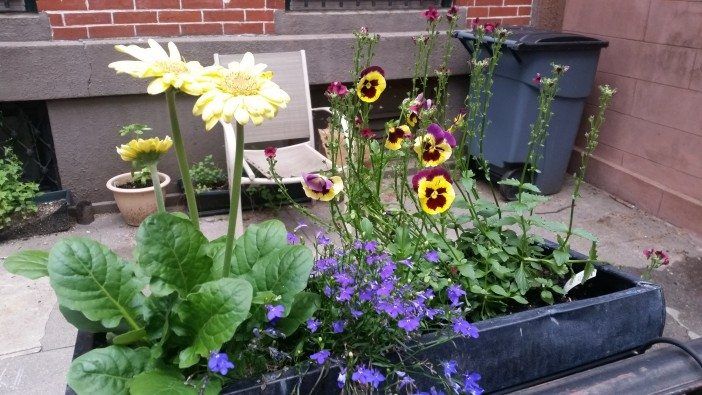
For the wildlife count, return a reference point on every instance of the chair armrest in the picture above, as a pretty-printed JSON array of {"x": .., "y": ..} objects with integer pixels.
[
  {"x": 325, "y": 109},
  {"x": 344, "y": 121}
]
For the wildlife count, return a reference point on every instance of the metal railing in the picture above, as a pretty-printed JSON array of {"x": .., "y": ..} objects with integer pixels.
[
  {"x": 351, "y": 5},
  {"x": 18, "y": 5}
]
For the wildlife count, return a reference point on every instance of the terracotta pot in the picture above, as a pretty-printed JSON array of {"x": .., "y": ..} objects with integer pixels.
[{"x": 135, "y": 204}]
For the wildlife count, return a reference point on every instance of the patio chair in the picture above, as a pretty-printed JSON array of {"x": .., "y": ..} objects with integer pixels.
[{"x": 294, "y": 122}]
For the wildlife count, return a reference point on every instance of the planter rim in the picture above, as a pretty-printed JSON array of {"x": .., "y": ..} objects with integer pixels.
[{"x": 114, "y": 188}]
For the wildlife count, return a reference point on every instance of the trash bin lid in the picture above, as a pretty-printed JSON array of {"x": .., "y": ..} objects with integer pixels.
[{"x": 524, "y": 38}]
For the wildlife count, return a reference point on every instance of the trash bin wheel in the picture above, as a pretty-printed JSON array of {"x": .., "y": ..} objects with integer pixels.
[{"x": 507, "y": 191}]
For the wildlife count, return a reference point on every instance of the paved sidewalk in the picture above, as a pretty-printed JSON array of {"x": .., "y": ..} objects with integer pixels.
[{"x": 36, "y": 344}]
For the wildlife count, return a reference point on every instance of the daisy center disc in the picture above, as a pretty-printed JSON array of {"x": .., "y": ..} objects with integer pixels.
[
  {"x": 241, "y": 84},
  {"x": 171, "y": 66}
]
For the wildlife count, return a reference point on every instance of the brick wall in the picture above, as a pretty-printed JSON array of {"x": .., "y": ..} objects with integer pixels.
[
  {"x": 77, "y": 19},
  {"x": 505, "y": 12},
  {"x": 650, "y": 152}
]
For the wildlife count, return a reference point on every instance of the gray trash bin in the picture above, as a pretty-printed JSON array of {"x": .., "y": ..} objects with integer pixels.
[{"x": 514, "y": 102}]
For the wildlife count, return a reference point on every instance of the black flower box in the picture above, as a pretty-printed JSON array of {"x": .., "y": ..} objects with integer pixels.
[{"x": 52, "y": 216}]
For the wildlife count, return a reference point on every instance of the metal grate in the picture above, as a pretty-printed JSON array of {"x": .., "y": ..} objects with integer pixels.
[
  {"x": 18, "y": 5},
  {"x": 351, "y": 5},
  {"x": 25, "y": 127}
]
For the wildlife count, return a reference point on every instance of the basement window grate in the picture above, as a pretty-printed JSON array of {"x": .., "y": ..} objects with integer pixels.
[
  {"x": 18, "y": 5},
  {"x": 25, "y": 127}
]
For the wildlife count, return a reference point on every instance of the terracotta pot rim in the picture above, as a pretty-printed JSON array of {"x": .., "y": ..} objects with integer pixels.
[{"x": 128, "y": 176}]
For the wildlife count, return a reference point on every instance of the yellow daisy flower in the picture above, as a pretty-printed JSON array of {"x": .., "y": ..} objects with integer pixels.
[
  {"x": 396, "y": 135},
  {"x": 318, "y": 187},
  {"x": 144, "y": 151},
  {"x": 167, "y": 69},
  {"x": 242, "y": 91},
  {"x": 434, "y": 190},
  {"x": 371, "y": 84}
]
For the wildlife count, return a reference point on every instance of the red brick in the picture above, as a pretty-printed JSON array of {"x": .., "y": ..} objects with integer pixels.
[
  {"x": 463, "y": 3},
  {"x": 503, "y": 11},
  {"x": 524, "y": 11},
  {"x": 477, "y": 12},
  {"x": 158, "y": 29},
  {"x": 246, "y": 4},
  {"x": 87, "y": 18},
  {"x": 179, "y": 16},
  {"x": 201, "y": 28},
  {"x": 517, "y": 21},
  {"x": 223, "y": 16},
  {"x": 69, "y": 33},
  {"x": 275, "y": 4},
  {"x": 61, "y": 5},
  {"x": 517, "y": 2},
  {"x": 135, "y": 17},
  {"x": 269, "y": 28},
  {"x": 200, "y": 4},
  {"x": 243, "y": 28},
  {"x": 259, "y": 15},
  {"x": 111, "y": 31},
  {"x": 488, "y": 2},
  {"x": 111, "y": 4},
  {"x": 157, "y": 4},
  {"x": 56, "y": 19}
]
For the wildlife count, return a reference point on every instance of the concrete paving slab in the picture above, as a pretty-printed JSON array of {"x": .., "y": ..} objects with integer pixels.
[{"x": 42, "y": 373}]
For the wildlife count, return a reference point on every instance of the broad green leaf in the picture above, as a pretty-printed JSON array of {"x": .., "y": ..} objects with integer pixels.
[
  {"x": 521, "y": 279},
  {"x": 157, "y": 382},
  {"x": 28, "y": 263},
  {"x": 367, "y": 228},
  {"x": 547, "y": 296},
  {"x": 519, "y": 299},
  {"x": 303, "y": 307},
  {"x": 169, "y": 251},
  {"x": 466, "y": 270},
  {"x": 180, "y": 215},
  {"x": 498, "y": 290},
  {"x": 257, "y": 241},
  {"x": 284, "y": 272},
  {"x": 107, "y": 370},
  {"x": 89, "y": 278},
  {"x": 516, "y": 183},
  {"x": 476, "y": 289},
  {"x": 130, "y": 337},
  {"x": 211, "y": 315}
]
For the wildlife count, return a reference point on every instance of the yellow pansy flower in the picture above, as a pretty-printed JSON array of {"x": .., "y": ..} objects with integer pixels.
[
  {"x": 371, "y": 84},
  {"x": 318, "y": 187},
  {"x": 435, "y": 147},
  {"x": 396, "y": 135},
  {"x": 434, "y": 190}
]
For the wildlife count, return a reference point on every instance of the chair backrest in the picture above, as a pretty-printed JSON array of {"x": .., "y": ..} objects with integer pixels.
[{"x": 290, "y": 73}]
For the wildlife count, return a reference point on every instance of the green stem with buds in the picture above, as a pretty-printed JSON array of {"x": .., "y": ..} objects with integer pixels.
[
  {"x": 182, "y": 159},
  {"x": 234, "y": 198}
]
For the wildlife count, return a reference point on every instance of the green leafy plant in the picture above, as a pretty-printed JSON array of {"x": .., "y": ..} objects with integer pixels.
[
  {"x": 16, "y": 195},
  {"x": 142, "y": 178},
  {"x": 170, "y": 309},
  {"x": 137, "y": 129},
  {"x": 207, "y": 176}
]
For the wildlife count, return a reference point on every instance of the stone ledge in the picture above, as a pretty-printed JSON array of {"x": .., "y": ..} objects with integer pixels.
[
  {"x": 24, "y": 26},
  {"x": 47, "y": 70}
]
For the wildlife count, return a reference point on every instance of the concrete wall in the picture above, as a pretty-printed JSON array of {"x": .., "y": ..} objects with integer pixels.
[{"x": 650, "y": 146}]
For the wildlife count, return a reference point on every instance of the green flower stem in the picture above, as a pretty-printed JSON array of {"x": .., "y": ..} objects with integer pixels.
[
  {"x": 182, "y": 159},
  {"x": 234, "y": 198},
  {"x": 157, "y": 188}
]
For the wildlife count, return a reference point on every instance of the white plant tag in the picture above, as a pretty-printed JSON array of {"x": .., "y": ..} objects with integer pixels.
[{"x": 577, "y": 279}]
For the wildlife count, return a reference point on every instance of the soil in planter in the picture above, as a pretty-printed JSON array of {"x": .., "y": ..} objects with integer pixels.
[
  {"x": 46, "y": 220},
  {"x": 135, "y": 185}
]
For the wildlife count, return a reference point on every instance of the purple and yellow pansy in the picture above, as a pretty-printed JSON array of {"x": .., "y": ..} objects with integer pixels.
[
  {"x": 318, "y": 187},
  {"x": 434, "y": 190},
  {"x": 434, "y": 147}
]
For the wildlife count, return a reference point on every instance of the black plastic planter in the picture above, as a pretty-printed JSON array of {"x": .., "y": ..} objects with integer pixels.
[
  {"x": 216, "y": 202},
  {"x": 58, "y": 220},
  {"x": 621, "y": 316}
]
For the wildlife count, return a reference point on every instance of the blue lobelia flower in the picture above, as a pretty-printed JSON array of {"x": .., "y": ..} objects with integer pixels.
[
  {"x": 432, "y": 256},
  {"x": 470, "y": 383},
  {"x": 454, "y": 294},
  {"x": 320, "y": 357},
  {"x": 322, "y": 239},
  {"x": 313, "y": 324},
  {"x": 341, "y": 378},
  {"x": 293, "y": 238},
  {"x": 219, "y": 363},
  {"x": 409, "y": 324},
  {"x": 338, "y": 326},
  {"x": 450, "y": 367},
  {"x": 464, "y": 328},
  {"x": 363, "y": 375},
  {"x": 273, "y": 312}
]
